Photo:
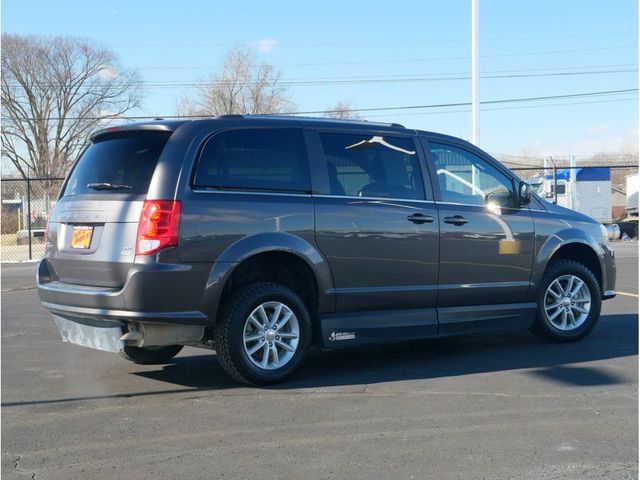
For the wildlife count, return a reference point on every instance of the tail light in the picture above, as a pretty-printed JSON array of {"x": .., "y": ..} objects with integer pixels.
[{"x": 158, "y": 227}]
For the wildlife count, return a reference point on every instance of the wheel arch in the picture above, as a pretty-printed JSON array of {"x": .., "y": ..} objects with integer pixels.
[
  {"x": 296, "y": 260},
  {"x": 571, "y": 244}
]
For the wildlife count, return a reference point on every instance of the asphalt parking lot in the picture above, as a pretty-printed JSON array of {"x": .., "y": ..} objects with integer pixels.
[{"x": 480, "y": 407}]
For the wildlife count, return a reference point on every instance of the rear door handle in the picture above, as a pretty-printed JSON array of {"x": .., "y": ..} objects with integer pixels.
[
  {"x": 420, "y": 218},
  {"x": 456, "y": 220}
]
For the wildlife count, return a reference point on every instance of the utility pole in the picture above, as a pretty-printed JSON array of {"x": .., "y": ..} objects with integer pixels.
[
  {"x": 475, "y": 73},
  {"x": 573, "y": 176},
  {"x": 555, "y": 180}
]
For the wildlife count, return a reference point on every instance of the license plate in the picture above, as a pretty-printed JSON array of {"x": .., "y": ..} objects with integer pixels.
[{"x": 81, "y": 237}]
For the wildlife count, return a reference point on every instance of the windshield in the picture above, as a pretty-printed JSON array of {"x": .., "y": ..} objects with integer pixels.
[{"x": 120, "y": 162}]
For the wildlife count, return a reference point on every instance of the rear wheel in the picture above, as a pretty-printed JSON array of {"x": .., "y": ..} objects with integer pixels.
[
  {"x": 150, "y": 355},
  {"x": 263, "y": 334},
  {"x": 569, "y": 302}
]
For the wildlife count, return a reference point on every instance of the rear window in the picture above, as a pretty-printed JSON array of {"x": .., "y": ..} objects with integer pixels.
[
  {"x": 120, "y": 162},
  {"x": 255, "y": 159}
]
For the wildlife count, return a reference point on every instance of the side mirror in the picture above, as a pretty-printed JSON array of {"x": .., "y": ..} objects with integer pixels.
[{"x": 525, "y": 192}]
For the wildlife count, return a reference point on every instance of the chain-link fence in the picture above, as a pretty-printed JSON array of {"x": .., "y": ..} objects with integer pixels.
[
  {"x": 608, "y": 193},
  {"x": 25, "y": 210}
]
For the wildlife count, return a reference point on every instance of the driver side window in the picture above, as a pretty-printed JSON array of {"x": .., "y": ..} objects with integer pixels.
[{"x": 468, "y": 179}]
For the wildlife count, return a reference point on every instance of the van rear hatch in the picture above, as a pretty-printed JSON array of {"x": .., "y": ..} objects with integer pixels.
[{"x": 93, "y": 228}]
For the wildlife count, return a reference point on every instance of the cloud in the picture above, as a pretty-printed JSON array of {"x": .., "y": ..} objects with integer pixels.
[
  {"x": 107, "y": 72},
  {"x": 267, "y": 45},
  {"x": 112, "y": 10},
  {"x": 599, "y": 138}
]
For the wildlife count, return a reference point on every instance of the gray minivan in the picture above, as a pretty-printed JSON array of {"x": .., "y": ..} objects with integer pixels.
[{"x": 259, "y": 236}]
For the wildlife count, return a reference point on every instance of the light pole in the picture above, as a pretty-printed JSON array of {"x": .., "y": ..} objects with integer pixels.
[{"x": 475, "y": 74}]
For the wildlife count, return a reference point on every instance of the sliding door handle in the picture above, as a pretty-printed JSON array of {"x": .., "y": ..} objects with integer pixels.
[
  {"x": 456, "y": 220},
  {"x": 420, "y": 218}
]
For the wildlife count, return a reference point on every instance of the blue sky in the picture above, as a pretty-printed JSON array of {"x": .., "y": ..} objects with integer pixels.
[{"x": 184, "y": 41}]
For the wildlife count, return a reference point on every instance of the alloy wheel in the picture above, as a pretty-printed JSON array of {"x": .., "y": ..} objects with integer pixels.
[
  {"x": 567, "y": 302},
  {"x": 271, "y": 335}
]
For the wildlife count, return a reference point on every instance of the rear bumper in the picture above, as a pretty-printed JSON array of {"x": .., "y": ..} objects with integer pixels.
[
  {"x": 153, "y": 293},
  {"x": 180, "y": 318}
]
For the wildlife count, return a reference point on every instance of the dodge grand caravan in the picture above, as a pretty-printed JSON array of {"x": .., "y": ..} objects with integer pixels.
[{"x": 259, "y": 236}]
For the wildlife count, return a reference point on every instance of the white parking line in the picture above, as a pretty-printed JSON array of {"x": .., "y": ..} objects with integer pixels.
[{"x": 628, "y": 294}]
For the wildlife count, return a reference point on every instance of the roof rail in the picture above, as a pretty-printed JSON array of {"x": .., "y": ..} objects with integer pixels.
[{"x": 303, "y": 118}]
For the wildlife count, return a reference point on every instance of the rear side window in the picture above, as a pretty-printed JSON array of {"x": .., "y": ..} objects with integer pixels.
[
  {"x": 121, "y": 162},
  {"x": 366, "y": 165},
  {"x": 255, "y": 159}
]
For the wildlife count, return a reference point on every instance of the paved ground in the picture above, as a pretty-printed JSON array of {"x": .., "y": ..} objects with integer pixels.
[{"x": 503, "y": 407}]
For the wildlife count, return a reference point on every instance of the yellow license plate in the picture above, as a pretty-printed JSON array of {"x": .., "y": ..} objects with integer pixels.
[{"x": 81, "y": 237}]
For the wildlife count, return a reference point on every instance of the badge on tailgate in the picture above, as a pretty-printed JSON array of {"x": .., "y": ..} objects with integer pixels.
[{"x": 81, "y": 236}]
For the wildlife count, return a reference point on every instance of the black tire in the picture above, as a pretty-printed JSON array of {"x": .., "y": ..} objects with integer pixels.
[
  {"x": 150, "y": 355},
  {"x": 542, "y": 327},
  {"x": 228, "y": 333}
]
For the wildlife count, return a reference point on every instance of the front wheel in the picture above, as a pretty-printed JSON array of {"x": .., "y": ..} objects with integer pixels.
[
  {"x": 569, "y": 302},
  {"x": 263, "y": 334}
]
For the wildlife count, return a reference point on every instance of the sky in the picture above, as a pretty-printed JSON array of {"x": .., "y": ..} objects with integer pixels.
[{"x": 389, "y": 54}]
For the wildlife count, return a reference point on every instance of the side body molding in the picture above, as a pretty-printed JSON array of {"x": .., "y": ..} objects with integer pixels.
[{"x": 252, "y": 245}]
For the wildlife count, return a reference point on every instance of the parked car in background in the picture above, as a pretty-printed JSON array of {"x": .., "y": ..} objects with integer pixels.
[
  {"x": 629, "y": 224},
  {"x": 259, "y": 236}
]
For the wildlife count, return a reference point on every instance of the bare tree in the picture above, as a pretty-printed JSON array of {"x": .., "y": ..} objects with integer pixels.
[
  {"x": 244, "y": 85},
  {"x": 343, "y": 110},
  {"x": 55, "y": 91}
]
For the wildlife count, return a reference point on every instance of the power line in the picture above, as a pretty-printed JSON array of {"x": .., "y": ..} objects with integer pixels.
[
  {"x": 369, "y": 109},
  {"x": 585, "y": 68},
  {"x": 380, "y": 42},
  {"x": 466, "y": 110},
  {"x": 409, "y": 76},
  {"x": 466, "y": 57},
  {"x": 396, "y": 60},
  {"x": 326, "y": 81},
  {"x": 409, "y": 60},
  {"x": 618, "y": 156},
  {"x": 373, "y": 80}
]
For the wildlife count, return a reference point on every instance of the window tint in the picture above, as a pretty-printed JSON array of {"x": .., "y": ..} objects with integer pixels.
[
  {"x": 255, "y": 159},
  {"x": 124, "y": 160},
  {"x": 368, "y": 165},
  {"x": 466, "y": 178}
]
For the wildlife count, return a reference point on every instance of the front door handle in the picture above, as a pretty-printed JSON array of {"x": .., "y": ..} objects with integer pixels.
[
  {"x": 456, "y": 220},
  {"x": 420, "y": 218}
]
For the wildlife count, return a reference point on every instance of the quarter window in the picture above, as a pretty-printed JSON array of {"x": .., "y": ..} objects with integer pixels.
[
  {"x": 466, "y": 178},
  {"x": 255, "y": 159},
  {"x": 366, "y": 165}
]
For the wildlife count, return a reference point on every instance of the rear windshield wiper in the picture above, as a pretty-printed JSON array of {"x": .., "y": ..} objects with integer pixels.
[{"x": 108, "y": 186}]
